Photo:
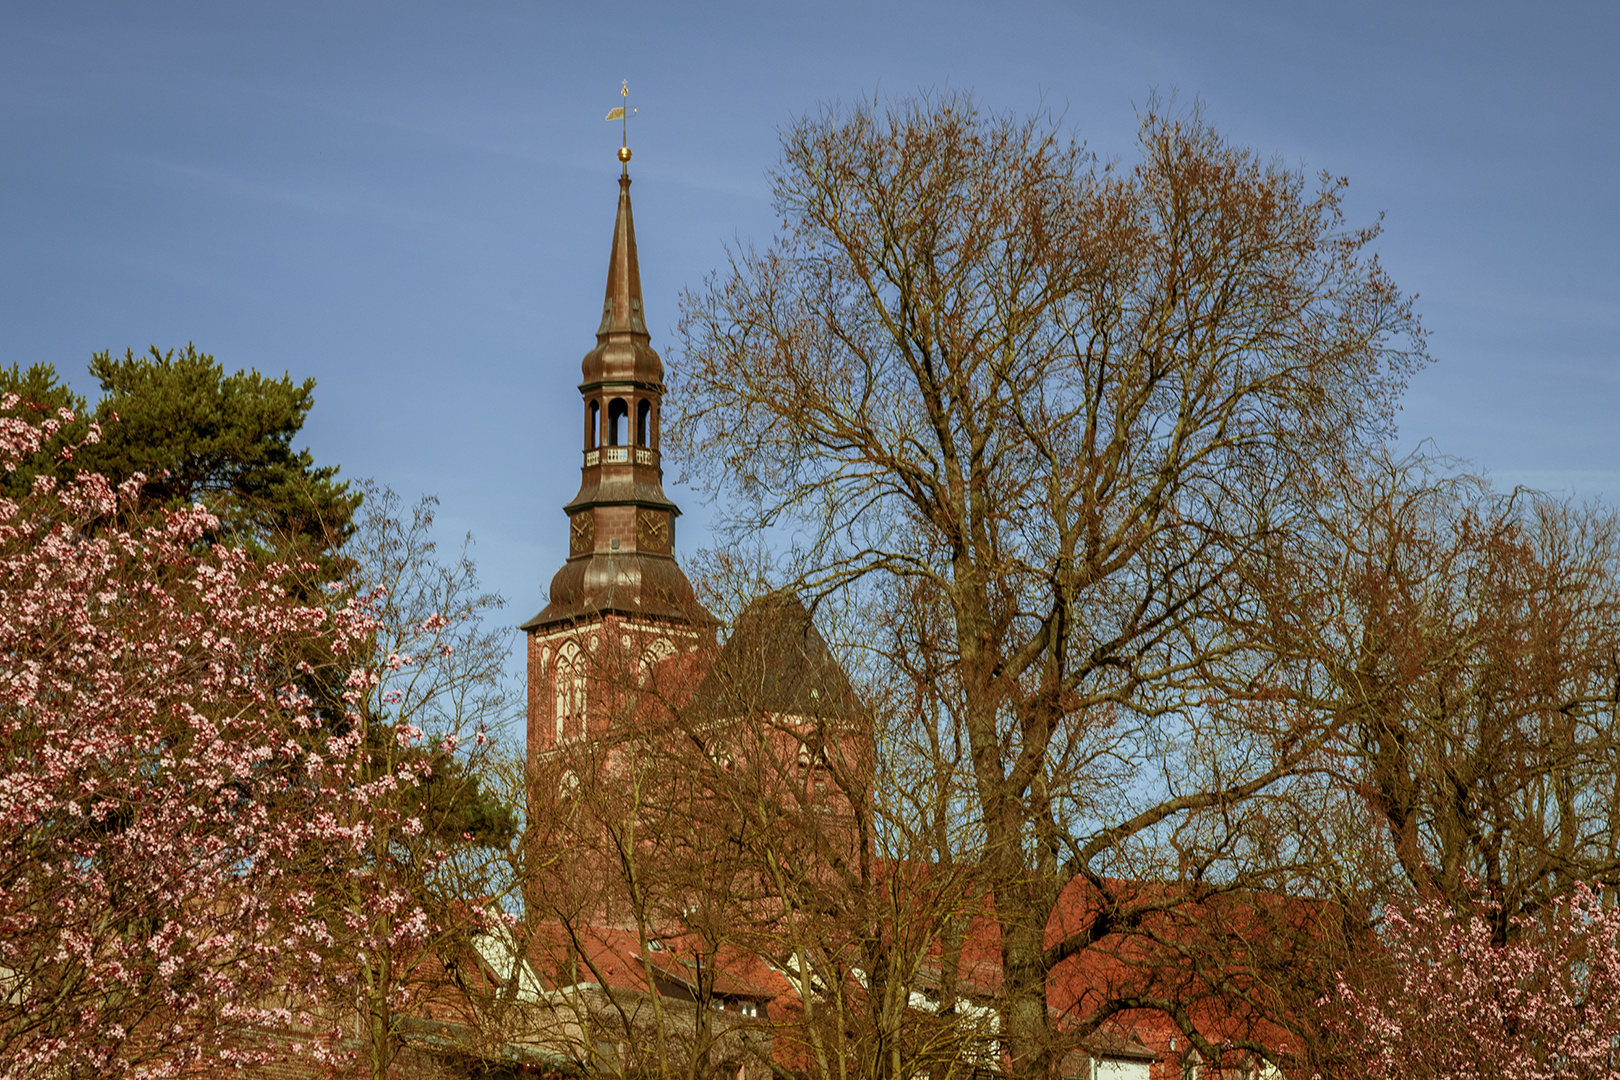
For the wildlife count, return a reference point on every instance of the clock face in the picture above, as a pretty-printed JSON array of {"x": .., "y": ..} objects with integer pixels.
[
  {"x": 652, "y": 530},
  {"x": 581, "y": 533}
]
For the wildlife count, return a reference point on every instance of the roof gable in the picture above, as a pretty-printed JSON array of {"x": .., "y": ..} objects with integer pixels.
[{"x": 776, "y": 662}]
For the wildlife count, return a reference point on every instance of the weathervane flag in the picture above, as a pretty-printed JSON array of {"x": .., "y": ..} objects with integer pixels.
[{"x": 618, "y": 114}]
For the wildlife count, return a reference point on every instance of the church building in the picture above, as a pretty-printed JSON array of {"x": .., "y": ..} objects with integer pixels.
[{"x": 620, "y": 606}]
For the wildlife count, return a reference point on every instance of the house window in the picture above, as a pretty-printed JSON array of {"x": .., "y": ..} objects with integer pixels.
[
  {"x": 1118, "y": 1069},
  {"x": 814, "y": 773}
]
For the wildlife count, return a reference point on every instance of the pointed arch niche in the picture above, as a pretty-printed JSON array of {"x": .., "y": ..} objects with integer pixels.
[{"x": 568, "y": 692}]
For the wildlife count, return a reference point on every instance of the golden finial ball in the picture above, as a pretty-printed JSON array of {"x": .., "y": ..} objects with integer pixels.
[{"x": 624, "y": 153}]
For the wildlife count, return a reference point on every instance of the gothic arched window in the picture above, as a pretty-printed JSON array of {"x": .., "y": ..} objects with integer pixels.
[
  {"x": 568, "y": 691},
  {"x": 659, "y": 650}
]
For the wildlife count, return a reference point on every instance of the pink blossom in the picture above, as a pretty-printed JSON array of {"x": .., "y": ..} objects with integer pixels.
[
  {"x": 1544, "y": 1006},
  {"x": 167, "y": 787}
]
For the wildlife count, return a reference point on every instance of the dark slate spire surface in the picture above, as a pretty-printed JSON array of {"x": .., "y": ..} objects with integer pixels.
[{"x": 776, "y": 662}]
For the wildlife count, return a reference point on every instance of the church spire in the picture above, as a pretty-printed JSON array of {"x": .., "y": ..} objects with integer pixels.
[
  {"x": 621, "y": 525},
  {"x": 621, "y": 307},
  {"x": 622, "y": 315}
]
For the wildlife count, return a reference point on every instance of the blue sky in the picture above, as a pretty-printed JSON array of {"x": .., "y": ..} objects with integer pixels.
[{"x": 412, "y": 202}]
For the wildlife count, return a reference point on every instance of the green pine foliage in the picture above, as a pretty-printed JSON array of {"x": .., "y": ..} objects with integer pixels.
[
  {"x": 198, "y": 435},
  {"x": 454, "y": 802}
]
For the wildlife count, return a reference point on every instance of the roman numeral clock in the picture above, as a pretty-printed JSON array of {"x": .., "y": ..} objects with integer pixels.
[{"x": 652, "y": 530}]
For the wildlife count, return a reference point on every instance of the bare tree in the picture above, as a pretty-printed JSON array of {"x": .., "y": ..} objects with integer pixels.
[
  {"x": 741, "y": 876},
  {"x": 1465, "y": 643},
  {"x": 1040, "y": 410},
  {"x": 812, "y": 791}
]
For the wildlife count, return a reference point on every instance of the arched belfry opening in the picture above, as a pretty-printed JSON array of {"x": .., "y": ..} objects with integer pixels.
[
  {"x": 618, "y": 414},
  {"x": 643, "y": 422}
]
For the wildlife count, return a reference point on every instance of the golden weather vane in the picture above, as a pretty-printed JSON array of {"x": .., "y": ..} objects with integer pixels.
[{"x": 624, "y": 124}]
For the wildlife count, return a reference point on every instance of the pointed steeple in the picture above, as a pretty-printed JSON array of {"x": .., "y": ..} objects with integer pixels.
[
  {"x": 621, "y": 525},
  {"x": 623, "y": 351},
  {"x": 621, "y": 307}
]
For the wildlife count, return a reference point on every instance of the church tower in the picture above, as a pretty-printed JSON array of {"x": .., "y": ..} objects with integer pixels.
[{"x": 620, "y": 603}]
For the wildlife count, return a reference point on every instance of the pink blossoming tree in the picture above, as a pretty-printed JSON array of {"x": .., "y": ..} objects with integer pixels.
[
  {"x": 162, "y": 779},
  {"x": 1449, "y": 1003}
]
